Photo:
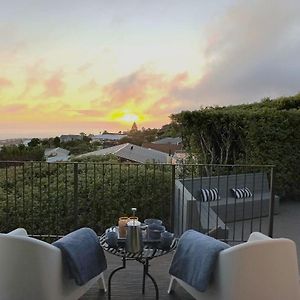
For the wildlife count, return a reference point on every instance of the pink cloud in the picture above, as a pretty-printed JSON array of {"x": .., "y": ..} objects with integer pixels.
[
  {"x": 136, "y": 87},
  {"x": 34, "y": 76},
  {"x": 133, "y": 87},
  {"x": 150, "y": 93},
  {"x": 4, "y": 82},
  {"x": 38, "y": 75},
  {"x": 13, "y": 108},
  {"x": 54, "y": 85},
  {"x": 179, "y": 80}
]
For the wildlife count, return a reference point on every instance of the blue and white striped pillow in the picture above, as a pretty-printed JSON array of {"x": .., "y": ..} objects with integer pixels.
[
  {"x": 241, "y": 193},
  {"x": 209, "y": 194}
]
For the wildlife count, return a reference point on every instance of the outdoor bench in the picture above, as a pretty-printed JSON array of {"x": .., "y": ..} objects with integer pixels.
[
  {"x": 228, "y": 207},
  {"x": 213, "y": 215}
]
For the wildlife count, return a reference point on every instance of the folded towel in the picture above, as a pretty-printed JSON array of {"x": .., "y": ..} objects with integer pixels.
[
  {"x": 195, "y": 259},
  {"x": 82, "y": 254}
]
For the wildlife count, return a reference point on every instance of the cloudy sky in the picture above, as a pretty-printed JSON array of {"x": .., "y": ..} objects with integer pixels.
[{"x": 68, "y": 66}]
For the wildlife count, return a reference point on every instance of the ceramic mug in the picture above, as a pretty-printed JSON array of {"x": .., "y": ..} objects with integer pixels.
[
  {"x": 112, "y": 239},
  {"x": 122, "y": 226},
  {"x": 154, "y": 231},
  {"x": 166, "y": 239}
]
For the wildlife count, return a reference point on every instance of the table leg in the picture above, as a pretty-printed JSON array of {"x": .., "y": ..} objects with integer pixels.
[
  {"x": 146, "y": 272},
  {"x": 111, "y": 275}
]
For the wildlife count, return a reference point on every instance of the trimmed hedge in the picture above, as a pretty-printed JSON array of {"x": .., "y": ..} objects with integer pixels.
[
  {"x": 52, "y": 199},
  {"x": 267, "y": 132}
]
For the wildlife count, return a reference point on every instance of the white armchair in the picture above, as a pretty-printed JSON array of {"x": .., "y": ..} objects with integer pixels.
[
  {"x": 32, "y": 269},
  {"x": 261, "y": 269}
]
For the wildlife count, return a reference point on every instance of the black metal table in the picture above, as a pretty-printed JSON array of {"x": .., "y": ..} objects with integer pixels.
[{"x": 150, "y": 251}]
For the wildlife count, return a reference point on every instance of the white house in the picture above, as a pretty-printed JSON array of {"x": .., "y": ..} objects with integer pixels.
[
  {"x": 108, "y": 137},
  {"x": 70, "y": 137},
  {"x": 26, "y": 142}
]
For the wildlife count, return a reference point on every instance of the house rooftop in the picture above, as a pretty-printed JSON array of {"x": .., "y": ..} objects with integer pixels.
[
  {"x": 56, "y": 154},
  {"x": 109, "y": 136},
  {"x": 169, "y": 140},
  {"x": 132, "y": 152}
]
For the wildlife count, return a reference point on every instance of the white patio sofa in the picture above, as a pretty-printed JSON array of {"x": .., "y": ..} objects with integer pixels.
[
  {"x": 260, "y": 269},
  {"x": 31, "y": 269}
]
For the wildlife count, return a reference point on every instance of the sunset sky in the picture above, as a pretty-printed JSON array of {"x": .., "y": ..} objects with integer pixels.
[{"x": 69, "y": 66}]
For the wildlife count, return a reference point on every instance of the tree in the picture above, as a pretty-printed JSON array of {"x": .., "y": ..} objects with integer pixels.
[
  {"x": 21, "y": 153},
  {"x": 34, "y": 142},
  {"x": 134, "y": 128},
  {"x": 56, "y": 141},
  {"x": 21, "y": 147},
  {"x": 46, "y": 142}
]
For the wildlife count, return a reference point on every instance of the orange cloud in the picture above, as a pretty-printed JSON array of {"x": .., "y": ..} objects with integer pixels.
[
  {"x": 41, "y": 82},
  {"x": 54, "y": 85},
  {"x": 139, "y": 86},
  {"x": 133, "y": 87},
  {"x": 4, "y": 82},
  {"x": 34, "y": 76},
  {"x": 142, "y": 95},
  {"x": 15, "y": 108}
]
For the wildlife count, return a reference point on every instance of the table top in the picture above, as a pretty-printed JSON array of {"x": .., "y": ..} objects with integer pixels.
[{"x": 150, "y": 249}]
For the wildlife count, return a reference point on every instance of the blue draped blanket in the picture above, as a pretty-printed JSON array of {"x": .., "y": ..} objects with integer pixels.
[
  {"x": 195, "y": 259},
  {"x": 82, "y": 254}
]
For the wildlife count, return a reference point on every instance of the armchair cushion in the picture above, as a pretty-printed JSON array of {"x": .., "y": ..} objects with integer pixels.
[
  {"x": 195, "y": 259},
  {"x": 83, "y": 254}
]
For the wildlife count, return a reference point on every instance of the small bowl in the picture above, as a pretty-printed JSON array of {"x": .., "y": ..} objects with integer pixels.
[
  {"x": 153, "y": 221},
  {"x": 155, "y": 231},
  {"x": 166, "y": 239}
]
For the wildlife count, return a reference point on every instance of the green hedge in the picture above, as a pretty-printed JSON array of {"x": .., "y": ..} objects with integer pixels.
[
  {"x": 45, "y": 199},
  {"x": 260, "y": 133}
]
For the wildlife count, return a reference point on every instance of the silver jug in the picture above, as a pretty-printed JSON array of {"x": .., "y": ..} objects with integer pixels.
[{"x": 134, "y": 243}]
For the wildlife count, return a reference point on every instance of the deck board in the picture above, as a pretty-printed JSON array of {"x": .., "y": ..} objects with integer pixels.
[{"x": 127, "y": 283}]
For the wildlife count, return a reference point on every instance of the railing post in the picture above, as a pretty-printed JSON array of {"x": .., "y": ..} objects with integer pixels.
[
  {"x": 271, "y": 204},
  {"x": 76, "y": 193},
  {"x": 172, "y": 200}
]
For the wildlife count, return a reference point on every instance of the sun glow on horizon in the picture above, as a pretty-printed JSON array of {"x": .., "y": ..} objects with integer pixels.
[
  {"x": 130, "y": 118},
  {"x": 126, "y": 117}
]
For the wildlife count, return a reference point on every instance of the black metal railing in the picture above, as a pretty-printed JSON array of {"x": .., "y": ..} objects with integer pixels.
[{"x": 53, "y": 199}]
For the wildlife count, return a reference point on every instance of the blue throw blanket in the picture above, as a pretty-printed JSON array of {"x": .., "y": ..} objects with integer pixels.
[
  {"x": 82, "y": 254},
  {"x": 195, "y": 259}
]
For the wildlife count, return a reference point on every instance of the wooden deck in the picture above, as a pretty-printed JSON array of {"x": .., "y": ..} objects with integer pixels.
[{"x": 127, "y": 284}]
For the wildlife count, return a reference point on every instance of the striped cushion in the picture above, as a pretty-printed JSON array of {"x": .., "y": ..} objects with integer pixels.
[
  {"x": 241, "y": 193},
  {"x": 209, "y": 194}
]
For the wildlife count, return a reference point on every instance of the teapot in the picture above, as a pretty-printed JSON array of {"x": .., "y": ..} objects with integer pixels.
[{"x": 134, "y": 243}]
